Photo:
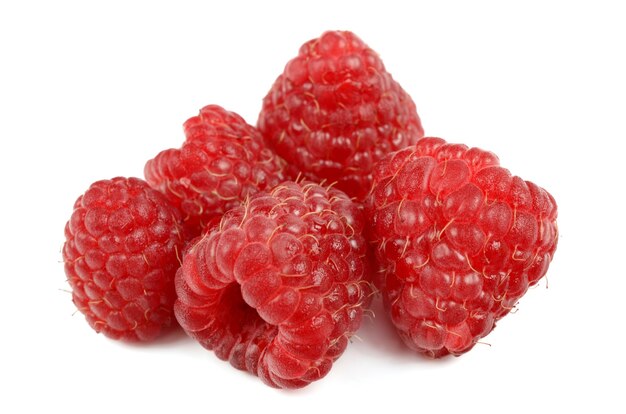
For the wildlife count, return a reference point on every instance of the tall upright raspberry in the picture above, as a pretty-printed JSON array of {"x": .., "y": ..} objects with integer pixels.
[
  {"x": 281, "y": 285},
  {"x": 121, "y": 254},
  {"x": 335, "y": 111},
  {"x": 222, "y": 161},
  {"x": 459, "y": 240}
]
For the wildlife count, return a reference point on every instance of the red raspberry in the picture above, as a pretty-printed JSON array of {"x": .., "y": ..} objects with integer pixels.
[
  {"x": 459, "y": 240},
  {"x": 222, "y": 161},
  {"x": 121, "y": 255},
  {"x": 335, "y": 111},
  {"x": 278, "y": 288}
]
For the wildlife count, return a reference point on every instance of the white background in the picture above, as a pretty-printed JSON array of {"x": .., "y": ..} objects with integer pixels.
[{"x": 92, "y": 91}]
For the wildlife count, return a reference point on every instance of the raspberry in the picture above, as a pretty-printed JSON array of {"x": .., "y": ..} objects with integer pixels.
[
  {"x": 459, "y": 240},
  {"x": 221, "y": 162},
  {"x": 335, "y": 111},
  {"x": 121, "y": 255},
  {"x": 279, "y": 287}
]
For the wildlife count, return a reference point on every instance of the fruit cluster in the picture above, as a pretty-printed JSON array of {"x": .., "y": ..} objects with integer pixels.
[{"x": 266, "y": 244}]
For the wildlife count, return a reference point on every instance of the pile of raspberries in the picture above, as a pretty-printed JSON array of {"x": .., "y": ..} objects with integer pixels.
[{"x": 267, "y": 244}]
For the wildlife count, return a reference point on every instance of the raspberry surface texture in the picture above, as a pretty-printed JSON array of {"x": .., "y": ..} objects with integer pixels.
[
  {"x": 280, "y": 286},
  {"x": 335, "y": 111},
  {"x": 221, "y": 162},
  {"x": 458, "y": 239},
  {"x": 121, "y": 256}
]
